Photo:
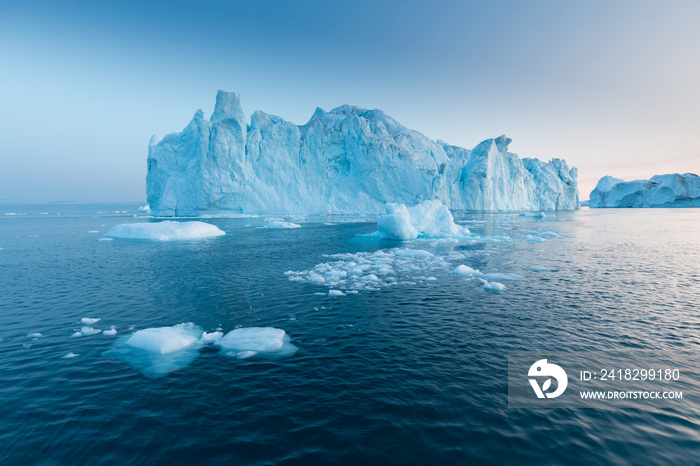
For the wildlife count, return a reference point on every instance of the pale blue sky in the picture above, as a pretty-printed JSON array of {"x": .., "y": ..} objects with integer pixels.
[{"x": 612, "y": 87}]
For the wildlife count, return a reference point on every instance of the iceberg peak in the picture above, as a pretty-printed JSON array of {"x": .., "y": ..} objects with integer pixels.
[
  {"x": 349, "y": 160},
  {"x": 502, "y": 143},
  {"x": 228, "y": 107}
]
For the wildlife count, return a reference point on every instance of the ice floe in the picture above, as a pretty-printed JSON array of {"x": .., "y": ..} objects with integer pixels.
[
  {"x": 90, "y": 320},
  {"x": 157, "y": 351},
  {"x": 164, "y": 340},
  {"x": 165, "y": 231},
  {"x": 281, "y": 224},
  {"x": 466, "y": 270},
  {"x": 369, "y": 271},
  {"x": 34, "y": 335},
  {"x": 110, "y": 332},
  {"x": 535, "y": 239},
  {"x": 87, "y": 331},
  {"x": 335, "y": 293},
  {"x": 267, "y": 342},
  {"x": 69, "y": 355},
  {"x": 493, "y": 287},
  {"x": 502, "y": 276},
  {"x": 538, "y": 268}
]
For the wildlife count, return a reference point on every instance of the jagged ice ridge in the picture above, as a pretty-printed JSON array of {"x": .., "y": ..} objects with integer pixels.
[{"x": 348, "y": 160}]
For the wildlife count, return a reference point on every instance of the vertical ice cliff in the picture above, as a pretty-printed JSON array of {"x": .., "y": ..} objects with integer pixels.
[{"x": 348, "y": 160}]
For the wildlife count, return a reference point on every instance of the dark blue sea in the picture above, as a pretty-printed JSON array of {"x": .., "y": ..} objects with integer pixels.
[{"x": 413, "y": 372}]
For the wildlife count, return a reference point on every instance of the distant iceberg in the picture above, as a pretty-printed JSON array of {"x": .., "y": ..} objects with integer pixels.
[
  {"x": 346, "y": 161},
  {"x": 674, "y": 190},
  {"x": 164, "y": 231}
]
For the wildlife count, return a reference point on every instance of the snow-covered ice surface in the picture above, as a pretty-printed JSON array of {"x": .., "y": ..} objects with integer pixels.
[
  {"x": 164, "y": 231},
  {"x": 673, "y": 190},
  {"x": 349, "y": 160}
]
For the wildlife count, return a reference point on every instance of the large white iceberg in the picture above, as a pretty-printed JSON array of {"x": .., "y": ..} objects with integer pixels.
[
  {"x": 164, "y": 231},
  {"x": 346, "y": 161},
  {"x": 674, "y": 190}
]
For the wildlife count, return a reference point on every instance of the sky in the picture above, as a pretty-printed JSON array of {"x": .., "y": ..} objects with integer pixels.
[{"x": 610, "y": 86}]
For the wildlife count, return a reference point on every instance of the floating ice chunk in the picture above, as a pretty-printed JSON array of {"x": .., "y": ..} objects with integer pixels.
[
  {"x": 533, "y": 214},
  {"x": 164, "y": 340},
  {"x": 90, "y": 320},
  {"x": 246, "y": 354},
  {"x": 548, "y": 234},
  {"x": 164, "y": 231},
  {"x": 69, "y": 356},
  {"x": 412, "y": 253},
  {"x": 335, "y": 293},
  {"x": 87, "y": 331},
  {"x": 493, "y": 287},
  {"x": 106, "y": 239},
  {"x": 244, "y": 343},
  {"x": 34, "y": 335},
  {"x": 210, "y": 337},
  {"x": 110, "y": 332},
  {"x": 535, "y": 239},
  {"x": 537, "y": 268},
  {"x": 502, "y": 276},
  {"x": 316, "y": 279},
  {"x": 429, "y": 219},
  {"x": 93, "y": 231},
  {"x": 157, "y": 351},
  {"x": 77, "y": 334},
  {"x": 466, "y": 270},
  {"x": 368, "y": 271},
  {"x": 281, "y": 224},
  {"x": 145, "y": 209}
]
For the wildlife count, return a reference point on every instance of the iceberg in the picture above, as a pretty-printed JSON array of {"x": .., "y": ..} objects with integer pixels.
[
  {"x": 349, "y": 160},
  {"x": 164, "y": 231},
  {"x": 673, "y": 190},
  {"x": 429, "y": 219}
]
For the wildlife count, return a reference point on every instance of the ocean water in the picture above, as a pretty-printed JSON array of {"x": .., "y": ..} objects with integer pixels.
[{"x": 411, "y": 373}]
